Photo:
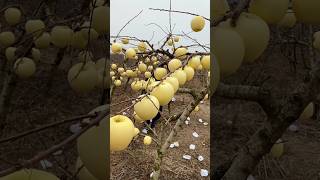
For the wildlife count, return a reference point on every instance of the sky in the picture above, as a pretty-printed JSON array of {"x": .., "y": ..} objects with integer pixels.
[{"x": 123, "y": 10}]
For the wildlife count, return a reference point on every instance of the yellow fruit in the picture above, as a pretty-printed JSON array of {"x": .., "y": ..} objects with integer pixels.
[
  {"x": 35, "y": 27},
  {"x": 130, "y": 73},
  {"x": 197, "y": 23},
  {"x": 103, "y": 79},
  {"x": 136, "y": 132},
  {"x": 116, "y": 48},
  {"x": 147, "y": 74},
  {"x": 83, "y": 174},
  {"x": 120, "y": 70},
  {"x": 125, "y": 41},
  {"x": 289, "y": 20},
  {"x": 61, "y": 36},
  {"x": 142, "y": 46},
  {"x": 101, "y": 63},
  {"x": 130, "y": 53},
  {"x": 174, "y": 82},
  {"x": 176, "y": 39},
  {"x": 24, "y": 67},
  {"x": 7, "y": 39},
  {"x": 199, "y": 67},
  {"x": 205, "y": 62},
  {"x": 215, "y": 80},
  {"x": 277, "y": 149},
  {"x": 117, "y": 83},
  {"x": 12, "y": 16},
  {"x": 147, "y": 108},
  {"x": 92, "y": 146},
  {"x": 170, "y": 42},
  {"x": 307, "y": 11},
  {"x": 83, "y": 77},
  {"x": 307, "y": 112},
  {"x": 255, "y": 34},
  {"x": 271, "y": 11},
  {"x": 220, "y": 8},
  {"x": 147, "y": 140},
  {"x": 154, "y": 58},
  {"x": 11, "y": 53},
  {"x": 181, "y": 76},
  {"x": 121, "y": 132},
  {"x": 36, "y": 54},
  {"x": 174, "y": 64},
  {"x": 159, "y": 73},
  {"x": 85, "y": 28},
  {"x": 206, "y": 97},
  {"x": 113, "y": 66},
  {"x": 150, "y": 68},
  {"x": 142, "y": 67},
  {"x": 164, "y": 92},
  {"x": 136, "y": 85},
  {"x": 43, "y": 41},
  {"x": 78, "y": 40},
  {"x": 180, "y": 53},
  {"x": 30, "y": 174},
  {"x": 189, "y": 72},
  {"x": 100, "y": 19},
  {"x": 194, "y": 62},
  {"x": 228, "y": 48},
  {"x": 137, "y": 118},
  {"x": 112, "y": 73},
  {"x": 196, "y": 109}
]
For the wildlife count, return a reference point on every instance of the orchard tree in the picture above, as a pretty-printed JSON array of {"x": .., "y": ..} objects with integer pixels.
[
  {"x": 155, "y": 73},
  {"x": 240, "y": 34}
]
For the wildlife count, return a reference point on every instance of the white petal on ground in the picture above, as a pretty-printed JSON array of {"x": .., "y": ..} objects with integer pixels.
[
  {"x": 145, "y": 131},
  {"x": 200, "y": 158},
  {"x": 188, "y": 118},
  {"x": 187, "y": 157},
  {"x": 192, "y": 146},
  {"x": 204, "y": 172},
  {"x": 176, "y": 144},
  {"x": 186, "y": 122},
  {"x": 171, "y": 145},
  {"x": 205, "y": 123},
  {"x": 194, "y": 134},
  {"x": 200, "y": 120},
  {"x": 173, "y": 99}
]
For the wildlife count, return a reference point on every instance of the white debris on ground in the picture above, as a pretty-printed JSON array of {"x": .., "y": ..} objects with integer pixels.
[
  {"x": 173, "y": 99},
  {"x": 187, "y": 122},
  {"x": 171, "y": 146},
  {"x": 192, "y": 146},
  {"x": 45, "y": 164},
  {"x": 200, "y": 120},
  {"x": 200, "y": 158},
  {"x": 124, "y": 113},
  {"x": 188, "y": 118},
  {"x": 187, "y": 157},
  {"x": 176, "y": 144},
  {"x": 201, "y": 102},
  {"x": 151, "y": 174},
  {"x": 293, "y": 128},
  {"x": 145, "y": 131},
  {"x": 205, "y": 123},
  {"x": 74, "y": 128},
  {"x": 204, "y": 172},
  {"x": 195, "y": 134}
]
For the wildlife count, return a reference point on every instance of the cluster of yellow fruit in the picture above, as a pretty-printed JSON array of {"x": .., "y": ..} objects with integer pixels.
[
  {"x": 245, "y": 42},
  {"x": 130, "y": 53}
]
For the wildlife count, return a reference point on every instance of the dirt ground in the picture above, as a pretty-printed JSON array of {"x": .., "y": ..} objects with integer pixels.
[
  {"x": 137, "y": 161},
  {"x": 235, "y": 121}
]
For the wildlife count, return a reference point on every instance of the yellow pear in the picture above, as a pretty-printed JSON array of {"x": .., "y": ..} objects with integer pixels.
[
  {"x": 228, "y": 48},
  {"x": 181, "y": 76},
  {"x": 194, "y": 62},
  {"x": 189, "y": 72},
  {"x": 116, "y": 48},
  {"x": 307, "y": 112},
  {"x": 92, "y": 146},
  {"x": 147, "y": 108},
  {"x": 7, "y": 38},
  {"x": 12, "y": 16},
  {"x": 159, "y": 73},
  {"x": 125, "y": 41},
  {"x": 205, "y": 62},
  {"x": 277, "y": 149},
  {"x": 100, "y": 19},
  {"x": 10, "y": 53},
  {"x": 271, "y": 11},
  {"x": 197, "y": 23},
  {"x": 36, "y": 54},
  {"x": 35, "y": 27},
  {"x": 164, "y": 92},
  {"x": 61, "y": 36},
  {"x": 147, "y": 140},
  {"x": 174, "y": 82},
  {"x": 289, "y": 20},
  {"x": 130, "y": 53},
  {"x": 24, "y": 67},
  {"x": 142, "y": 46},
  {"x": 136, "y": 132},
  {"x": 83, "y": 77},
  {"x": 142, "y": 67},
  {"x": 174, "y": 64},
  {"x": 255, "y": 34},
  {"x": 180, "y": 53},
  {"x": 220, "y": 8},
  {"x": 121, "y": 132},
  {"x": 117, "y": 82},
  {"x": 43, "y": 41}
]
